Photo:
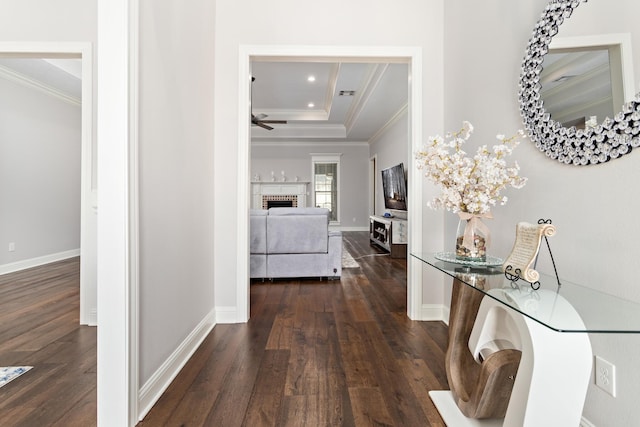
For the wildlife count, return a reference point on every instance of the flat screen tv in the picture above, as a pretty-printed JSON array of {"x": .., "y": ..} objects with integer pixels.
[{"x": 394, "y": 186}]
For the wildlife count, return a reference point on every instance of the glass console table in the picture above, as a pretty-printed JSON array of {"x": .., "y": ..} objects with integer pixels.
[{"x": 546, "y": 329}]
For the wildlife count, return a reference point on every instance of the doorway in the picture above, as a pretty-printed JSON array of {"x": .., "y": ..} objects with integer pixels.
[
  {"x": 88, "y": 199},
  {"x": 411, "y": 56}
]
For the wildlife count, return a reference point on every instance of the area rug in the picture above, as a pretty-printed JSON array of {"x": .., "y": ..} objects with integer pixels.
[
  {"x": 347, "y": 259},
  {"x": 9, "y": 373}
]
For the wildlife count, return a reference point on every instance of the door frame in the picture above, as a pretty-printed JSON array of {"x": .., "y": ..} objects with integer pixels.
[
  {"x": 375, "y": 54},
  {"x": 373, "y": 168},
  {"x": 88, "y": 199}
]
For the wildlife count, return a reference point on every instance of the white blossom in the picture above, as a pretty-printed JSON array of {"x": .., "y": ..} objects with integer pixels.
[{"x": 469, "y": 184}]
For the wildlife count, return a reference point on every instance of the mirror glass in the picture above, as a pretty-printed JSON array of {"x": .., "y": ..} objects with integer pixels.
[{"x": 578, "y": 87}]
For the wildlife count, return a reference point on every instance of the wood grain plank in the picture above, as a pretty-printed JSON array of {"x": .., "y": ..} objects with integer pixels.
[
  {"x": 266, "y": 398},
  {"x": 422, "y": 381},
  {"x": 369, "y": 408},
  {"x": 39, "y": 326}
]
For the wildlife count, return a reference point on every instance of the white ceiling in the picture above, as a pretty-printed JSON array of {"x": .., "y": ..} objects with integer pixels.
[{"x": 281, "y": 90}]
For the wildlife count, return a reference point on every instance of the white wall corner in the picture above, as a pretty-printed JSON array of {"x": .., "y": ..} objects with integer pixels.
[
  {"x": 227, "y": 315},
  {"x": 151, "y": 391},
  {"x": 434, "y": 312}
]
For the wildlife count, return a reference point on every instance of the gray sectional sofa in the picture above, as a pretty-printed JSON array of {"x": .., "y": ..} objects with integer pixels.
[{"x": 294, "y": 242}]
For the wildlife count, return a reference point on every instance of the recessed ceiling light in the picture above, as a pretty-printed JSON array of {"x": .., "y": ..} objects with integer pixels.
[
  {"x": 311, "y": 79},
  {"x": 311, "y": 105}
]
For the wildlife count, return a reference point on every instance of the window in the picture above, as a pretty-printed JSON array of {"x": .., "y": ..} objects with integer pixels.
[{"x": 326, "y": 184}]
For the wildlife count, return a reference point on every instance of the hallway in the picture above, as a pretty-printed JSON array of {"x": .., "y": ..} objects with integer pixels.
[{"x": 316, "y": 353}]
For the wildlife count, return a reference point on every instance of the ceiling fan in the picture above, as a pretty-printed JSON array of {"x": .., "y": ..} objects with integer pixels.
[{"x": 259, "y": 119}]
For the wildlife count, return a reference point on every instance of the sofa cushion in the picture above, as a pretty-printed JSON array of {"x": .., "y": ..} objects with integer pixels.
[
  {"x": 258, "y": 231},
  {"x": 296, "y": 234},
  {"x": 299, "y": 211}
]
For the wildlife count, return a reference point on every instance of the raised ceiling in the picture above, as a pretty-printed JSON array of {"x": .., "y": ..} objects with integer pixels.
[{"x": 345, "y": 102}]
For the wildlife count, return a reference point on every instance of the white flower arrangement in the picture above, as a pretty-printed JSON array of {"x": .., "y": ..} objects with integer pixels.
[{"x": 469, "y": 184}]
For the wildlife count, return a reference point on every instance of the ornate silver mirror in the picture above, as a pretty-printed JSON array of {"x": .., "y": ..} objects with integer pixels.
[{"x": 577, "y": 96}]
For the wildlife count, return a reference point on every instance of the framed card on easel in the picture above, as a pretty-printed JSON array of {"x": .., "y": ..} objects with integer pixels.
[{"x": 525, "y": 249}]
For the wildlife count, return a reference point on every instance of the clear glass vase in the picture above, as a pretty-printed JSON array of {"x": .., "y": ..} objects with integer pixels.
[{"x": 472, "y": 240}]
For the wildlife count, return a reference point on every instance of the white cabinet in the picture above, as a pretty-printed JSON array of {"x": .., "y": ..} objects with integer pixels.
[{"x": 390, "y": 234}]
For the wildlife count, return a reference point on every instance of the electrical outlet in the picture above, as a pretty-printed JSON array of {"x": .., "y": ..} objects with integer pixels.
[
  {"x": 12, "y": 246},
  {"x": 605, "y": 374}
]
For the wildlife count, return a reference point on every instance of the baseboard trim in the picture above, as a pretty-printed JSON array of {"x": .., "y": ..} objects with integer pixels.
[
  {"x": 35, "y": 262},
  {"x": 160, "y": 380},
  {"x": 434, "y": 312},
  {"x": 345, "y": 228},
  {"x": 93, "y": 318},
  {"x": 227, "y": 315}
]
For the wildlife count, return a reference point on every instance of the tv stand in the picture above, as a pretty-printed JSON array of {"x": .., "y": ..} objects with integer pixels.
[{"x": 390, "y": 234}]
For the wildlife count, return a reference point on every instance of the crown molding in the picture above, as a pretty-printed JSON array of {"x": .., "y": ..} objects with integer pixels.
[
  {"x": 291, "y": 114},
  {"x": 331, "y": 88},
  {"x": 392, "y": 121},
  {"x": 293, "y": 131},
  {"x": 363, "y": 96},
  {"x": 19, "y": 78}
]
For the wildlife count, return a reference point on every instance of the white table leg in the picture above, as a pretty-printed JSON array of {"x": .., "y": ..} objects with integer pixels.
[{"x": 553, "y": 376}]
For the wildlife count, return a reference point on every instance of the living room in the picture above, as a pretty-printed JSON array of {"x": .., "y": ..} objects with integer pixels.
[{"x": 366, "y": 130}]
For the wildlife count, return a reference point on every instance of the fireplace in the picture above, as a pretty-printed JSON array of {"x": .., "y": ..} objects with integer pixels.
[
  {"x": 289, "y": 193},
  {"x": 279, "y": 201},
  {"x": 279, "y": 204}
]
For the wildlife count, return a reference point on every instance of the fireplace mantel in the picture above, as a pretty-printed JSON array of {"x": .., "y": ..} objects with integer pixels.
[{"x": 298, "y": 189}]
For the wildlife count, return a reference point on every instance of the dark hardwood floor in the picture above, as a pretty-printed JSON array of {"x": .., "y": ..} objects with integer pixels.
[
  {"x": 39, "y": 326},
  {"x": 316, "y": 353}
]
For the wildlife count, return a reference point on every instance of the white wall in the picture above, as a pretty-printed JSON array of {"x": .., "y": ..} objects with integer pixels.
[
  {"x": 176, "y": 177},
  {"x": 592, "y": 207},
  {"x": 296, "y": 160},
  {"x": 45, "y": 21},
  {"x": 40, "y": 147},
  {"x": 290, "y": 22},
  {"x": 390, "y": 149},
  {"x": 41, "y": 20}
]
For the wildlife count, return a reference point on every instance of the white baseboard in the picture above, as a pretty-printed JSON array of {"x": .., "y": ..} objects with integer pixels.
[
  {"x": 345, "y": 228},
  {"x": 226, "y": 315},
  {"x": 35, "y": 262},
  {"x": 89, "y": 319},
  {"x": 160, "y": 380},
  {"x": 434, "y": 312}
]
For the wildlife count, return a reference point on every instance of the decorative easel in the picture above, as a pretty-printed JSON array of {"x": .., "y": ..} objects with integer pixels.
[{"x": 525, "y": 252}]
